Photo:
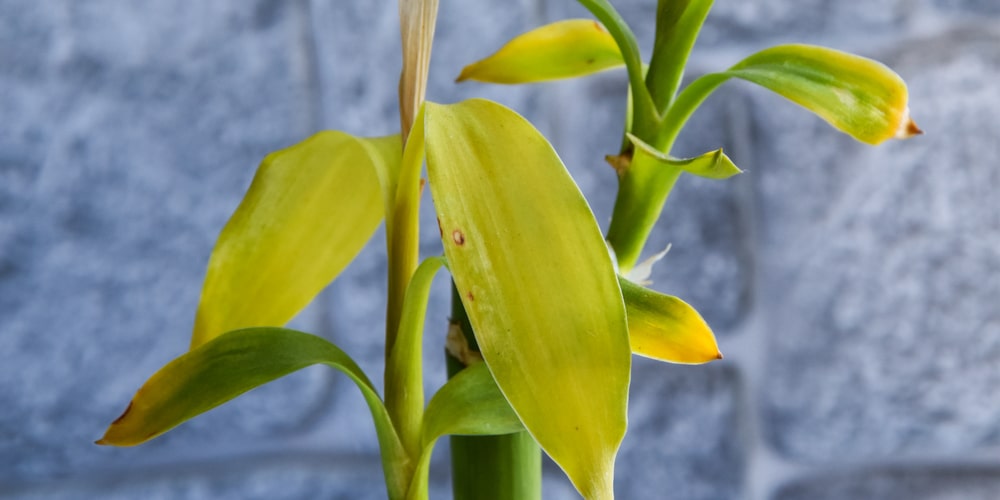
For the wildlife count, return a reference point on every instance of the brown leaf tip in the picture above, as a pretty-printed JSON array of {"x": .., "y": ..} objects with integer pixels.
[
  {"x": 718, "y": 355},
  {"x": 122, "y": 417},
  {"x": 458, "y": 237},
  {"x": 907, "y": 128}
]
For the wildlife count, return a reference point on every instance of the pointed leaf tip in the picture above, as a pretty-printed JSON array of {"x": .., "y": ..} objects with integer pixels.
[
  {"x": 666, "y": 328},
  {"x": 908, "y": 128}
]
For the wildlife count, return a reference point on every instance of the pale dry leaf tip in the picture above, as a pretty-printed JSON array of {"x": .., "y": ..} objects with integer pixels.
[
  {"x": 640, "y": 273},
  {"x": 417, "y": 20},
  {"x": 458, "y": 347}
]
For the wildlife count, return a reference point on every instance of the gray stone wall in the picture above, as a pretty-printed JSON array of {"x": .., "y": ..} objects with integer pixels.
[{"x": 854, "y": 289}]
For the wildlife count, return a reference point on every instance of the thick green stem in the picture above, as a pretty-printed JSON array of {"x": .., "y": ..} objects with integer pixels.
[
  {"x": 643, "y": 188},
  {"x": 644, "y": 185},
  {"x": 507, "y": 467}
]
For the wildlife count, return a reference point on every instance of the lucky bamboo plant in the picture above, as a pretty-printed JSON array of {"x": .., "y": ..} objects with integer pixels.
[{"x": 547, "y": 310}]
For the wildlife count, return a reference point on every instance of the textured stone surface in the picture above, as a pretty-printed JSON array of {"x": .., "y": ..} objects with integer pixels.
[
  {"x": 975, "y": 7},
  {"x": 881, "y": 266},
  {"x": 306, "y": 477},
  {"x": 129, "y": 136},
  {"x": 683, "y": 434},
  {"x": 868, "y": 275},
  {"x": 915, "y": 484}
]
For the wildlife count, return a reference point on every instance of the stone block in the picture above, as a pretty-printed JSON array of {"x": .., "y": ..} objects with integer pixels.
[
  {"x": 280, "y": 477},
  {"x": 969, "y": 7},
  {"x": 916, "y": 484},
  {"x": 130, "y": 135},
  {"x": 878, "y": 282},
  {"x": 683, "y": 434}
]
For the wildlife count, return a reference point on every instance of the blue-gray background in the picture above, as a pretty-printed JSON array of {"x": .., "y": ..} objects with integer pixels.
[{"x": 854, "y": 289}]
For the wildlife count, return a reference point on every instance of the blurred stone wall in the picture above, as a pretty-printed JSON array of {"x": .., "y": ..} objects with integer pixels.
[{"x": 854, "y": 289}]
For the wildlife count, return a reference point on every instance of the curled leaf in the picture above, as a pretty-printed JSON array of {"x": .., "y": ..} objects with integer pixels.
[
  {"x": 234, "y": 363},
  {"x": 563, "y": 49},
  {"x": 309, "y": 211},
  {"x": 711, "y": 165},
  {"x": 517, "y": 232},
  {"x": 856, "y": 95},
  {"x": 404, "y": 383},
  {"x": 666, "y": 328}
]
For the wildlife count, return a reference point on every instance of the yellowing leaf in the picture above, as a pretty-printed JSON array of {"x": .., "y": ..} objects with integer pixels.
[
  {"x": 309, "y": 211},
  {"x": 536, "y": 279},
  {"x": 858, "y": 96},
  {"x": 564, "y": 49},
  {"x": 666, "y": 328},
  {"x": 234, "y": 363}
]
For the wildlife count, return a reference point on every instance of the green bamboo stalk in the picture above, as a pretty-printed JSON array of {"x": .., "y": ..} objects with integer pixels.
[{"x": 507, "y": 467}]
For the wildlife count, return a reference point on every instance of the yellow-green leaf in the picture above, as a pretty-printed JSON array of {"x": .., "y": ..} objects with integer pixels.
[
  {"x": 234, "y": 363},
  {"x": 666, "y": 328},
  {"x": 536, "y": 279},
  {"x": 711, "y": 165},
  {"x": 563, "y": 49},
  {"x": 309, "y": 211},
  {"x": 858, "y": 96}
]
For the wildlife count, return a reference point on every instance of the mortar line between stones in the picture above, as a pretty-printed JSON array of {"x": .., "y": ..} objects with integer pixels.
[
  {"x": 309, "y": 45},
  {"x": 763, "y": 470},
  {"x": 321, "y": 309},
  {"x": 105, "y": 476}
]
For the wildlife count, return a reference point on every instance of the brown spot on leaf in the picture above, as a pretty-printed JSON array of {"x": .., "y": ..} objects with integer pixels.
[
  {"x": 458, "y": 237},
  {"x": 470, "y": 296},
  {"x": 127, "y": 409},
  {"x": 440, "y": 230}
]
